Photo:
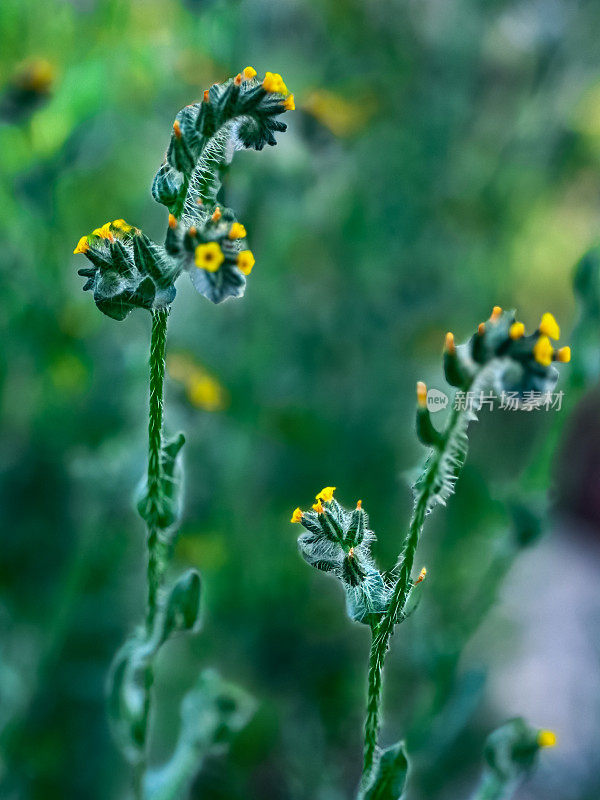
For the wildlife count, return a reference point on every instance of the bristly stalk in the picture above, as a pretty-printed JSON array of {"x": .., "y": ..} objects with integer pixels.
[
  {"x": 156, "y": 560},
  {"x": 383, "y": 630}
]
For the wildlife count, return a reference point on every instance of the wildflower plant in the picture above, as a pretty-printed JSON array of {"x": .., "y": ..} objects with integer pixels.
[
  {"x": 128, "y": 270},
  {"x": 499, "y": 357}
]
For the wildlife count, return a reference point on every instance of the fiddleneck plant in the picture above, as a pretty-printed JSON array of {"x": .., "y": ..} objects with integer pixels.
[
  {"x": 501, "y": 358},
  {"x": 128, "y": 270}
]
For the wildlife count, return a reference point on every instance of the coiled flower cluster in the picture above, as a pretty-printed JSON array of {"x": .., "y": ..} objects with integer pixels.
[
  {"x": 339, "y": 541},
  {"x": 205, "y": 240}
]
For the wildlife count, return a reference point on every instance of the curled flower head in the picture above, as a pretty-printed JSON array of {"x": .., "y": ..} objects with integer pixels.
[
  {"x": 210, "y": 251},
  {"x": 339, "y": 541},
  {"x": 521, "y": 362},
  {"x": 127, "y": 270}
]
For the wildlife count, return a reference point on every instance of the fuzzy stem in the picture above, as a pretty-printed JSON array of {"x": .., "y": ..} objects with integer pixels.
[
  {"x": 383, "y": 630},
  {"x": 155, "y": 421}
]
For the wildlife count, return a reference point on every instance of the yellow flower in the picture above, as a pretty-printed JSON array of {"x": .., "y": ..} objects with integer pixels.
[
  {"x": 549, "y": 326},
  {"x": 103, "y": 232},
  {"x": 421, "y": 394},
  {"x": 249, "y": 73},
  {"x": 237, "y": 231},
  {"x": 209, "y": 256},
  {"x": 318, "y": 507},
  {"x": 422, "y": 575},
  {"x": 273, "y": 82},
  {"x": 543, "y": 351},
  {"x": 205, "y": 392},
  {"x": 245, "y": 261},
  {"x": 289, "y": 104},
  {"x": 496, "y": 313},
  {"x": 326, "y": 494},
  {"x": 82, "y": 246},
  {"x": 297, "y": 515},
  {"x": 516, "y": 330},
  {"x": 563, "y": 355},
  {"x": 546, "y": 738}
]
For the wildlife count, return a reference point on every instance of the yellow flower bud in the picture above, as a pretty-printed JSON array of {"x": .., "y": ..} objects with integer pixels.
[
  {"x": 297, "y": 515},
  {"x": 516, "y": 330},
  {"x": 318, "y": 507},
  {"x": 273, "y": 82},
  {"x": 543, "y": 351},
  {"x": 289, "y": 104},
  {"x": 421, "y": 394},
  {"x": 82, "y": 246},
  {"x": 326, "y": 494},
  {"x": 549, "y": 326},
  {"x": 546, "y": 738},
  {"x": 237, "y": 231},
  {"x": 563, "y": 355},
  {"x": 249, "y": 73}
]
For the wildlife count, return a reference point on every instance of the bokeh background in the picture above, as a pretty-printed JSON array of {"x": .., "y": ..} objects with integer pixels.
[{"x": 444, "y": 157}]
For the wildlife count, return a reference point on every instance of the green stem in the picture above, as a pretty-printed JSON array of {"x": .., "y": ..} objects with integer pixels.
[
  {"x": 383, "y": 630},
  {"x": 155, "y": 422}
]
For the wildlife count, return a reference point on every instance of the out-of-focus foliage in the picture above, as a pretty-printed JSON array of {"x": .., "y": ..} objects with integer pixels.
[{"x": 457, "y": 168}]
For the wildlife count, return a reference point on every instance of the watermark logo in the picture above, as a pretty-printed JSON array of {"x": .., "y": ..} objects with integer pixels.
[{"x": 436, "y": 400}]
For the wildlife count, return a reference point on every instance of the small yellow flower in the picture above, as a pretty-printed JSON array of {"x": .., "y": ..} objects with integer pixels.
[
  {"x": 245, "y": 261},
  {"x": 516, "y": 330},
  {"x": 422, "y": 575},
  {"x": 249, "y": 73},
  {"x": 549, "y": 326},
  {"x": 209, "y": 256},
  {"x": 82, "y": 246},
  {"x": 217, "y": 214},
  {"x": 177, "y": 129},
  {"x": 543, "y": 351},
  {"x": 273, "y": 82},
  {"x": 172, "y": 222},
  {"x": 318, "y": 507},
  {"x": 237, "y": 231},
  {"x": 496, "y": 313},
  {"x": 546, "y": 738},
  {"x": 289, "y": 104},
  {"x": 103, "y": 232},
  {"x": 326, "y": 494},
  {"x": 449, "y": 345},
  {"x": 121, "y": 225},
  {"x": 421, "y": 394},
  {"x": 564, "y": 355},
  {"x": 297, "y": 515}
]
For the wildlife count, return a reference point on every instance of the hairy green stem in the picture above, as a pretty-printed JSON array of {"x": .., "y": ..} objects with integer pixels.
[
  {"x": 155, "y": 421},
  {"x": 383, "y": 630}
]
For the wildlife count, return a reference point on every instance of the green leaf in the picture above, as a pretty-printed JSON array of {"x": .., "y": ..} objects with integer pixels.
[
  {"x": 211, "y": 714},
  {"x": 389, "y": 775},
  {"x": 182, "y": 611}
]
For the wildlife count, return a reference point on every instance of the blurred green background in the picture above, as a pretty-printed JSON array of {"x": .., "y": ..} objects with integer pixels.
[{"x": 444, "y": 157}]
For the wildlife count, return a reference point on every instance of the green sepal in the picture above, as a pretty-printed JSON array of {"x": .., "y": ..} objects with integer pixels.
[
  {"x": 454, "y": 372},
  {"x": 149, "y": 260},
  {"x": 426, "y": 431},
  {"x": 388, "y": 776},
  {"x": 161, "y": 506},
  {"x": 182, "y": 612},
  {"x": 412, "y": 601}
]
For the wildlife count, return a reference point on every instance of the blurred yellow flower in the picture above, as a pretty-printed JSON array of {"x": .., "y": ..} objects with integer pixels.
[
  {"x": 343, "y": 117},
  {"x": 202, "y": 389},
  {"x": 543, "y": 351}
]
